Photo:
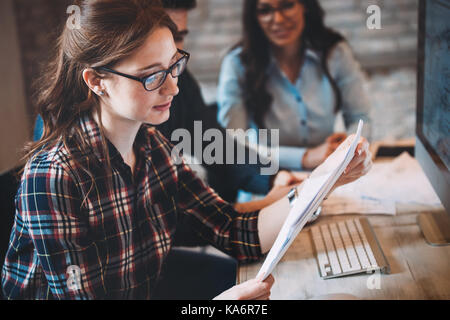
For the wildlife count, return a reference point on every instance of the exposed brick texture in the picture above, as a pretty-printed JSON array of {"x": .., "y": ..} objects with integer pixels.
[
  {"x": 38, "y": 23},
  {"x": 387, "y": 55}
]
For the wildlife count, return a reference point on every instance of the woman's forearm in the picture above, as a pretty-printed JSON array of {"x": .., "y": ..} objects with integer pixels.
[
  {"x": 251, "y": 206},
  {"x": 271, "y": 220},
  {"x": 272, "y": 217},
  {"x": 276, "y": 193}
]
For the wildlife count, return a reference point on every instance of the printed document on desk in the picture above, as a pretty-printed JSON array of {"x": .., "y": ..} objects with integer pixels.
[
  {"x": 314, "y": 190},
  {"x": 345, "y": 202},
  {"x": 400, "y": 181}
]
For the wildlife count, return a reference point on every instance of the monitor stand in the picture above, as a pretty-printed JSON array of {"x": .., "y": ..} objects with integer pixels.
[{"x": 435, "y": 227}]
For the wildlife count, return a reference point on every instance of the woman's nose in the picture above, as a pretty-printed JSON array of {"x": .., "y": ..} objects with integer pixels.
[
  {"x": 277, "y": 17},
  {"x": 170, "y": 87}
]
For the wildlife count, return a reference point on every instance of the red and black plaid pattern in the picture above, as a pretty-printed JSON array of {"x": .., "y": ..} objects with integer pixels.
[{"x": 114, "y": 230}]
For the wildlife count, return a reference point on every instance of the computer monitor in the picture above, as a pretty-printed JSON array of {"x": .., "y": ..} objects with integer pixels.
[{"x": 433, "y": 113}]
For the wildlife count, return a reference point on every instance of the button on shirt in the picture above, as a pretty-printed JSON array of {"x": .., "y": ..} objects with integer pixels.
[
  {"x": 78, "y": 238},
  {"x": 303, "y": 111}
]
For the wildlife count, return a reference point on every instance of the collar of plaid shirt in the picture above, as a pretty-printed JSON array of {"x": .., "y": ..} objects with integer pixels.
[
  {"x": 91, "y": 133},
  {"x": 120, "y": 235}
]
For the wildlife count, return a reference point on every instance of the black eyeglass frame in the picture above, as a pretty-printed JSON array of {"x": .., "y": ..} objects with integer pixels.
[
  {"x": 142, "y": 80},
  {"x": 272, "y": 10}
]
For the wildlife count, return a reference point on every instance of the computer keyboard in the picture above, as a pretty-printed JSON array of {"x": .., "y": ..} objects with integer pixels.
[{"x": 347, "y": 247}]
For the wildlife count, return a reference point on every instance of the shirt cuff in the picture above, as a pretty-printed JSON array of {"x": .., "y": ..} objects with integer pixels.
[
  {"x": 244, "y": 237},
  {"x": 291, "y": 157}
]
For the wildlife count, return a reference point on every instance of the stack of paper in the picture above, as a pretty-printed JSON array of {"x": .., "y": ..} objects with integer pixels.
[
  {"x": 387, "y": 184},
  {"x": 315, "y": 188},
  {"x": 346, "y": 202}
]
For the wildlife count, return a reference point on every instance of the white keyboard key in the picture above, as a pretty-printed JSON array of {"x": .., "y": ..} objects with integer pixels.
[
  {"x": 340, "y": 249},
  {"x": 343, "y": 248},
  {"x": 359, "y": 247},
  {"x": 334, "y": 262},
  {"x": 322, "y": 256},
  {"x": 348, "y": 244},
  {"x": 373, "y": 261}
]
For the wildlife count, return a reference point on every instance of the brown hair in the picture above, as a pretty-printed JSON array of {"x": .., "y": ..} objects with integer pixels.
[
  {"x": 255, "y": 55},
  {"x": 110, "y": 30}
]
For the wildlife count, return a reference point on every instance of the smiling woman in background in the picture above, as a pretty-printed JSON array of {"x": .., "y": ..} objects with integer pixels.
[{"x": 290, "y": 72}]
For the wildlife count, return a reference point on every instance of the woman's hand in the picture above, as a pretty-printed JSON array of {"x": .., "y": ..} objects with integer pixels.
[
  {"x": 282, "y": 184},
  {"x": 315, "y": 156},
  {"x": 289, "y": 178},
  {"x": 254, "y": 289},
  {"x": 359, "y": 166}
]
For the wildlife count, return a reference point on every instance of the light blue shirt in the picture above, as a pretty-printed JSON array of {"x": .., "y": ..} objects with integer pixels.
[{"x": 302, "y": 111}]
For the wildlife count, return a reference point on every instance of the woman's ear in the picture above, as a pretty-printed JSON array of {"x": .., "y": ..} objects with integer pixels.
[{"x": 93, "y": 81}]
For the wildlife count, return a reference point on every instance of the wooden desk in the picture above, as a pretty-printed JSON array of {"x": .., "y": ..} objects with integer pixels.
[{"x": 418, "y": 270}]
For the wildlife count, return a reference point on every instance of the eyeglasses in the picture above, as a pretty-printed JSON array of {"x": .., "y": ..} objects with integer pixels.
[
  {"x": 156, "y": 80},
  {"x": 266, "y": 13}
]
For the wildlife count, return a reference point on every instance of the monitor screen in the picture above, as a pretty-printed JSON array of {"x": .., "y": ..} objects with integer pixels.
[{"x": 433, "y": 98}]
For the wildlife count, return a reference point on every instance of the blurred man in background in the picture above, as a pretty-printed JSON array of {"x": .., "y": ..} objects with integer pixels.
[{"x": 187, "y": 107}]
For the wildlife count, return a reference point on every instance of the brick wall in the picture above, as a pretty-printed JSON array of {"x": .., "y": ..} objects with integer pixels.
[
  {"x": 38, "y": 23},
  {"x": 388, "y": 55}
]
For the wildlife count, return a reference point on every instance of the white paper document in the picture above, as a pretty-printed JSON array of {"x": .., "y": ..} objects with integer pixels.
[
  {"x": 401, "y": 181},
  {"x": 352, "y": 203},
  {"x": 314, "y": 190}
]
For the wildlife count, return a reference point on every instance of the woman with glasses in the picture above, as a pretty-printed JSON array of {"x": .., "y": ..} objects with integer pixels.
[
  {"x": 101, "y": 192},
  {"x": 292, "y": 73}
]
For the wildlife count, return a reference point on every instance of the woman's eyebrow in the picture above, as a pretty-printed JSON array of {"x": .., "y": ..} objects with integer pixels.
[
  {"x": 156, "y": 64},
  {"x": 183, "y": 32}
]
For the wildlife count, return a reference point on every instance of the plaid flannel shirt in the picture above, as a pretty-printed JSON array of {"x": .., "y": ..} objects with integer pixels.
[{"x": 74, "y": 238}]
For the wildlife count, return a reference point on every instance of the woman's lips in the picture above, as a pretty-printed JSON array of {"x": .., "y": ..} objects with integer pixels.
[
  {"x": 163, "y": 107},
  {"x": 281, "y": 33}
]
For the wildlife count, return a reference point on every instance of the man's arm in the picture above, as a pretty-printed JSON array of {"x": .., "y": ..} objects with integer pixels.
[{"x": 188, "y": 107}]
